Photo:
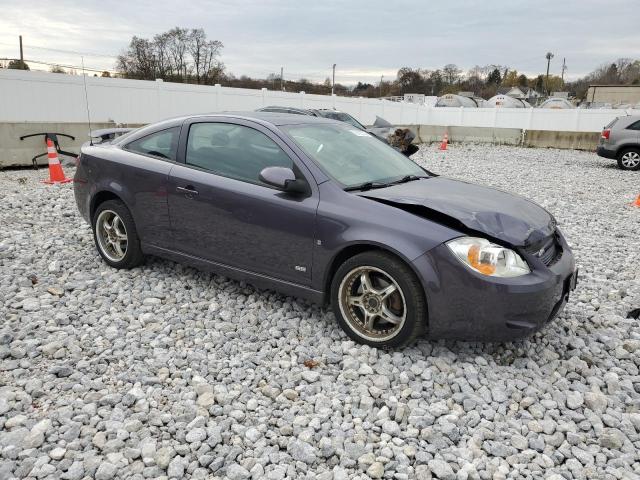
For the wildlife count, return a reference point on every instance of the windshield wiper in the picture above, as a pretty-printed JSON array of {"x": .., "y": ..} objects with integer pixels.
[
  {"x": 407, "y": 178},
  {"x": 369, "y": 185},
  {"x": 366, "y": 186}
]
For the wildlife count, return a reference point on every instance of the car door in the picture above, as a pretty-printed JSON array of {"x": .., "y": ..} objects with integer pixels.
[{"x": 220, "y": 210}]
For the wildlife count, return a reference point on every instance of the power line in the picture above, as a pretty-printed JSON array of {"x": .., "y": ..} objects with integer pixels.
[
  {"x": 73, "y": 52},
  {"x": 73, "y": 67}
]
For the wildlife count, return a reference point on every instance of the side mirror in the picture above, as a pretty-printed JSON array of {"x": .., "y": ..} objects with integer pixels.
[{"x": 284, "y": 179}]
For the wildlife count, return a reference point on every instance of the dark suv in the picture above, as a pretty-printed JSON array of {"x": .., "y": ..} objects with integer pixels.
[{"x": 621, "y": 140}]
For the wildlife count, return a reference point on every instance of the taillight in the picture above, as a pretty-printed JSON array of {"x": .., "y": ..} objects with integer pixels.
[{"x": 606, "y": 133}]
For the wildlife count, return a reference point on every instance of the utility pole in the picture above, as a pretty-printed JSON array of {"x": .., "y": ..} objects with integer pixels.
[
  {"x": 548, "y": 56},
  {"x": 381, "y": 77},
  {"x": 21, "y": 54},
  {"x": 564, "y": 67},
  {"x": 281, "y": 78},
  {"x": 333, "y": 83}
]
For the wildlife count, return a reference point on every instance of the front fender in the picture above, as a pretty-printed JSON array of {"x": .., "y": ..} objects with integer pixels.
[{"x": 345, "y": 221}]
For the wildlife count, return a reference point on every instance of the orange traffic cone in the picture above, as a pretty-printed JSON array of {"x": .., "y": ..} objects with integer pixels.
[
  {"x": 56, "y": 175},
  {"x": 637, "y": 202},
  {"x": 445, "y": 141}
]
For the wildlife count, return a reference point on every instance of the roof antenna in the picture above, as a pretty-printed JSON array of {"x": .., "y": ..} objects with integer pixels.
[{"x": 86, "y": 99}]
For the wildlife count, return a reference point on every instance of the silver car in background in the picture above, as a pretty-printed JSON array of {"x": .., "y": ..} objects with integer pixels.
[{"x": 620, "y": 140}]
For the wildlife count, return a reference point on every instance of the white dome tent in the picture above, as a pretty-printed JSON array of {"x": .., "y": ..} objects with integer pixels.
[
  {"x": 452, "y": 100},
  {"x": 557, "y": 103},
  {"x": 505, "y": 101}
]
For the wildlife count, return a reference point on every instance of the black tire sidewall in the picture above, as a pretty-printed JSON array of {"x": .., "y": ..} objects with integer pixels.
[
  {"x": 620, "y": 155},
  {"x": 416, "y": 319},
  {"x": 133, "y": 256}
]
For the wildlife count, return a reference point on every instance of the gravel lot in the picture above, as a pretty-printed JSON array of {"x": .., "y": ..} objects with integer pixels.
[{"x": 167, "y": 371}]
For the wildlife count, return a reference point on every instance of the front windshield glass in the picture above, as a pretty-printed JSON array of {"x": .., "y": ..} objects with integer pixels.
[
  {"x": 343, "y": 117},
  {"x": 350, "y": 156}
]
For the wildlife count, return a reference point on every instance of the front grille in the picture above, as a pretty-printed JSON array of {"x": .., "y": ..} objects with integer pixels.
[{"x": 548, "y": 250}]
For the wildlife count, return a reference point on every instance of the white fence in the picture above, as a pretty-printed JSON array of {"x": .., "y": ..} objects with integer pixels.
[{"x": 51, "y": 97}]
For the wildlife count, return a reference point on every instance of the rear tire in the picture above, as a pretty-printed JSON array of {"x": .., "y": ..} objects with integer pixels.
[
  {"x": 378, "y": 300},
  {"x": 629, "y": 159},
  {"x": 115, "y": 235}
]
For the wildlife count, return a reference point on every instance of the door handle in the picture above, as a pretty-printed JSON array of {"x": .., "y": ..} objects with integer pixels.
[{"x": 188, "y": 190}]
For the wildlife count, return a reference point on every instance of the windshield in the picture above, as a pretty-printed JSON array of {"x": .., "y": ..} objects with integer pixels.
[
  {"x": 350, "y": 156},
  {"x": 343, "y": 117}
]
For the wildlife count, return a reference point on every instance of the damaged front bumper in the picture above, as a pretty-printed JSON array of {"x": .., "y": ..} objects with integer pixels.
[{"x": 465, "y": 305}]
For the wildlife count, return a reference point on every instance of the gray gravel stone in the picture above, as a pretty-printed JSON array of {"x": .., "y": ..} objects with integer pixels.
[
  {"x": 441, "y": 469},
  {"x": 196, "y": 435},
  {"x": 302, "y": 451},
  {"x": 574, "y": 400},
  {"x": 106, "y": 471},
  {"x": 176, "y": 467},
  {"x": 595, "y": 401},
  {"x": 376, "y": 470},
  {"x": 237, "y": 472}
]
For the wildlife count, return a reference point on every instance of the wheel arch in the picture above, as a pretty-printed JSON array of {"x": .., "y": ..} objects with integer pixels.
[
  {"x": 354, "y": 249},
  {"x": 99, "y": 198},
  {"x": 627, "y": 146}
]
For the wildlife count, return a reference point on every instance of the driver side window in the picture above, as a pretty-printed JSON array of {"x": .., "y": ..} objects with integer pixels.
[{"x": 233, "y": 151}]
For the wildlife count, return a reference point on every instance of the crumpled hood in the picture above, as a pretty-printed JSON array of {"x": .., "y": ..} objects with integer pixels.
[{"x": 498, "y": 214}]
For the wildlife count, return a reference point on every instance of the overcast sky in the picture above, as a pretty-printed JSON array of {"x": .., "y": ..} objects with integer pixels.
[{"x": 365, "y": 38}]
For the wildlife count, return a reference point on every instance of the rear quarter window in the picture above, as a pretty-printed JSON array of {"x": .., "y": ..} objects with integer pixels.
[
  {"x": 162, "y": 144},
  {"x": 634, "y": 126}
]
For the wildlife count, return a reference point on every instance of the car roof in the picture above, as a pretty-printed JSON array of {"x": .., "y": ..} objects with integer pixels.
[
  {"x": 625, "y": 120},
  {"x": 301, "y": 111},
  {"x": 273, "y": 118},
  {"x": 265, "y": 118}
]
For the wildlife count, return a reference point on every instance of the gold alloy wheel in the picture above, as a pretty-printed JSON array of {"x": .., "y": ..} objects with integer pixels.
[
  {"x": 372, "y": 303},
  {"x": 112, "y": 235}
]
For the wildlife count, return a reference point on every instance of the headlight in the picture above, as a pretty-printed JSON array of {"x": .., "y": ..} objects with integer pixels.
[{"x": 488, "y": 258}]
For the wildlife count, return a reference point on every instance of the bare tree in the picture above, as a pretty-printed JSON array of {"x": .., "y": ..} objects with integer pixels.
[
  {"x": 197, "y": 44},
  {"x": 173, "y": 55},
  {"x": 178, "y": 45},
  {"x": 138, "y": 61},
  {"x": 451, "y": 73},
  {"x": 163, "y": 61},
  {"x": 204, "y": 54},
  {"x": 211, "y": 66}
]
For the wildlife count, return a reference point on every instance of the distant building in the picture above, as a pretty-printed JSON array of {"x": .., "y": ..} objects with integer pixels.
[
  {"x": 564, "y": 95},
  {"x": 419, "y": 98},
  {"x": 613, "y": 94},
  {"x": 414, "y": 98},
  {"x": 521, "y": 93}
]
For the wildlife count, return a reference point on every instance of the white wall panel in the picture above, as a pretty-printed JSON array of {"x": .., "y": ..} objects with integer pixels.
[{"x": 51, "y": 97}]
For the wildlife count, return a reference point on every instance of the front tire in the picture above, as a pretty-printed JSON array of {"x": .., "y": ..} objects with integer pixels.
[
  {"x": 629, "y": 159},
  {"x": 378, "y": 300},
  {"x": 115, "y": 235}
]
